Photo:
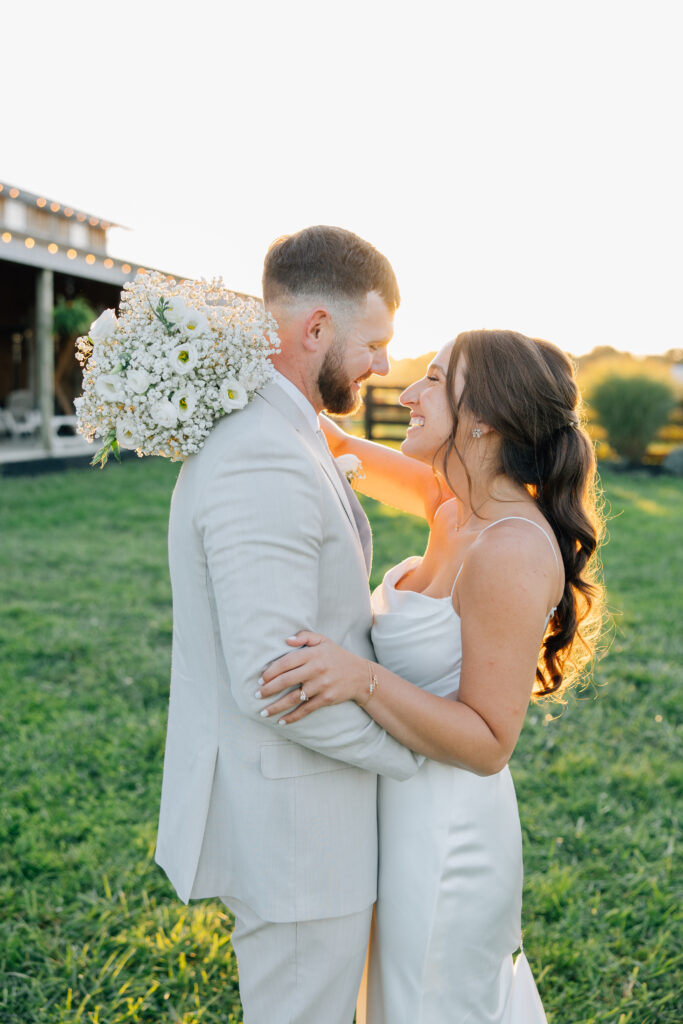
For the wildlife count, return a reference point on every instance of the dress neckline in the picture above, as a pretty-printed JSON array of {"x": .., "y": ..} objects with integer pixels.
[
  {"x": 418, "y": 593},
  {"x": 449, "y": 597}
]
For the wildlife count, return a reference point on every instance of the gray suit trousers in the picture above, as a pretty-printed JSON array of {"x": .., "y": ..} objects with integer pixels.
[{"x": 299, "y": 972}]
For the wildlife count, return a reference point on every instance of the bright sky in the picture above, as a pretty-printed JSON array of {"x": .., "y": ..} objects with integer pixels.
[{"x": 517, "y": 160}]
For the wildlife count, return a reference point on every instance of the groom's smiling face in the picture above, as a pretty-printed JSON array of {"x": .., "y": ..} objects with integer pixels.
[{"x": 358, "y": 350}]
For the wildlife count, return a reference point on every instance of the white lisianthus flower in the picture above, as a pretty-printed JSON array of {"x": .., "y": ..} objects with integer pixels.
[
  {"x": 183, "y": 358},
  {"x": 164, "y": 413},
  {"x": 177, "y": 310},
  {"x": 233, "y": 395},
  {"x": 351, "y": 466},
  {"x": 108, "y": 387},
  {"x": 128, "y": 432},
  {"x": 184, "y": 403},
  {"x": 103, "y": 328},
  {"x": 138, "y": 381},
  {"x": 193, "y": 323}
]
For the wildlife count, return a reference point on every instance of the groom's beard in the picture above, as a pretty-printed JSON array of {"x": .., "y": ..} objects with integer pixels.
[{"x": 335, "y": 389}]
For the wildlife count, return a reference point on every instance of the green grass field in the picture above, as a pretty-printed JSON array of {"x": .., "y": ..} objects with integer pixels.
[{"x": 91, "y": 931}]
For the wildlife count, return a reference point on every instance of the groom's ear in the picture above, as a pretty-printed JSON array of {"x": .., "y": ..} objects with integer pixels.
[{"x": 318, "y": 330}]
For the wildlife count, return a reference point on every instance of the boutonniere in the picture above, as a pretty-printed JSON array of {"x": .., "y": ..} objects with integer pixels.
[{"x": 351, "y": 467}]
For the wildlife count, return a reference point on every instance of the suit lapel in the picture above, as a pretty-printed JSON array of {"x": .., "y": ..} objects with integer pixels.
[{"x": 275, "y": 396}]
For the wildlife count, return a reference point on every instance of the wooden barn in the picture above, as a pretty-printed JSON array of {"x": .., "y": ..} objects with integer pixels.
[{"x": 50, "y": 255}]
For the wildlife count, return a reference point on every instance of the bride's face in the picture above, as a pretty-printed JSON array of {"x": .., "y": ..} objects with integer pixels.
[{"x": 431, "y": 421}]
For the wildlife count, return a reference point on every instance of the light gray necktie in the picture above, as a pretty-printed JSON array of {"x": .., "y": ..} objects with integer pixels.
[{"x": 360, "y": 518}]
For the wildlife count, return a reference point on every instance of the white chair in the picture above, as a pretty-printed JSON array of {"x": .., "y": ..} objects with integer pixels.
[{"x": 21, "y": 418}]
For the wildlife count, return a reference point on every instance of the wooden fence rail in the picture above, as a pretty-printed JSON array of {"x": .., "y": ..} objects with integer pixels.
[{"x": 383, "y": 411}]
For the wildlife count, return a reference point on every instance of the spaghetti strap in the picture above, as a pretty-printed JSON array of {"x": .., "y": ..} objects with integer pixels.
[
  {"x": 524, "y": 520},
  {"x": 538, "y": 527}
]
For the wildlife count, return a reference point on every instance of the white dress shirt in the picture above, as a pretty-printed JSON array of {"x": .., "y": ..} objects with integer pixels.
[{"x": 298, "y": 396}]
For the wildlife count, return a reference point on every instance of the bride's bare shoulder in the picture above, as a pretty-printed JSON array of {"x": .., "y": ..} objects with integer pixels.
[{"x": 446, "y": 516}]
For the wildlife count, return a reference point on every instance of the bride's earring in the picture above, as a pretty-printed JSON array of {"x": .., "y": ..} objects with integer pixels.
[{"x": 477, "y": 432}]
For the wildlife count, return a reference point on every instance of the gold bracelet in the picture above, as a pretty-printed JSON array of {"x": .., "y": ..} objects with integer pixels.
[{"x": 374, "y": 682}]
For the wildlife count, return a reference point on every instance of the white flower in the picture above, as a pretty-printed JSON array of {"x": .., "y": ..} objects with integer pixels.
[
  {"x": 108, "y": 387},
  {"x": 351, "y": 466},
  {"x": 177, "y": 309},
  {"x": 233, "y": 395},
  {"x": 78, "y": 403},
  {"x": 138, "y": 381},
  {"x": 183, "y": 358},
  {"x": 184, "y": 403},
  {"x": 164, "y": 413},
  {"x": 103, "y": 328},
  {"x": 193, "y": 323},
  {"x": 128, "y": 432}
]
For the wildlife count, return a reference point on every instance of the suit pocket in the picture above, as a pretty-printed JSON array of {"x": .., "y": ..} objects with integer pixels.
[{"x": 288, "y": 760}]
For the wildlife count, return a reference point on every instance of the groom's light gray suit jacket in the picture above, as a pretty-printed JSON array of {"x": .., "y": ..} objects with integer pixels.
[{"x": 262, "y": 543}]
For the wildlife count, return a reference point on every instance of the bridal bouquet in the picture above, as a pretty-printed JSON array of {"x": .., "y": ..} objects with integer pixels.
[{"x": 177, "y": 358}]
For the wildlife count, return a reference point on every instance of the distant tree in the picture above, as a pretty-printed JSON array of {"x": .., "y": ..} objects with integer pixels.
[
  {"x": 632, "y": 408},
  {"x": 603, "y": 351}
]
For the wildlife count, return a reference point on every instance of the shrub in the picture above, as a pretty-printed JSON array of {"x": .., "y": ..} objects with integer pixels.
[
  {"x": 72, "y": 317},
  {"x": 632, "y": 408}
]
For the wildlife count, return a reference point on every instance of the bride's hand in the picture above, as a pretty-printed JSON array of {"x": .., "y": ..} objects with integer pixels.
[{"x": 322, "y": 672}]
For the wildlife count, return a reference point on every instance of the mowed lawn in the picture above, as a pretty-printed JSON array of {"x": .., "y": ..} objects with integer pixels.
[{"x": 90, "y": 929}]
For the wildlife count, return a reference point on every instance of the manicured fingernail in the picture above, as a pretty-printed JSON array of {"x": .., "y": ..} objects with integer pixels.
[
  {"x": 292, "y": 638},
  {"x": 258, "y": 694},
  {"x": 282, "y": 722},
  {"x": 259, "y": 681},
  {"x": 264, "y": 713}
]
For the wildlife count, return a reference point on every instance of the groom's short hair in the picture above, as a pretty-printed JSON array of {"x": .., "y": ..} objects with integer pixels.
[{"x": 327, "y": 261}]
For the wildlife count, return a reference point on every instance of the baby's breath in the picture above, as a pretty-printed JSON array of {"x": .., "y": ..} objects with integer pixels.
[{"x": 178, "y": 358}]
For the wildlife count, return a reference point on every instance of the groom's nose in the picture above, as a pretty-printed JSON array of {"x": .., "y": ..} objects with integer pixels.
[{"x": 380, "y": 362}]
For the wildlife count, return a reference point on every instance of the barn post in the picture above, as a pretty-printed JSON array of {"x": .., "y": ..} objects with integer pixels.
[{"x": 46, "y": 354}]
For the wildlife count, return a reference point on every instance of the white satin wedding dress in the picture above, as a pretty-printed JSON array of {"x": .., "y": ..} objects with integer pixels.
[{"x": 448, "y": 913}]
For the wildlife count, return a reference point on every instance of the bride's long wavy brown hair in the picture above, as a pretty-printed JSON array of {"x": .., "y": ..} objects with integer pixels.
[{"x": 526, "y": 391}]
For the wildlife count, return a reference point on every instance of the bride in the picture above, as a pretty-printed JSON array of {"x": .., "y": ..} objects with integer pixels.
[{"x": 503, "y": 606}]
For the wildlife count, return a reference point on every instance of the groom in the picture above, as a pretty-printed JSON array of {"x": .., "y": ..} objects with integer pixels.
[{"x": 266, "y": 538}]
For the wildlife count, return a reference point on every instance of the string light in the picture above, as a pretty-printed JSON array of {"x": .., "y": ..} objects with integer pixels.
[
  {"x": 1, "y": 186},
  {"x": 53, "y": 248}
]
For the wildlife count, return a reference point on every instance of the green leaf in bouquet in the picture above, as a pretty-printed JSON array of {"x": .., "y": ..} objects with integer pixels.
[
  {"x": 109, "y": 447},
  {"x": 160, "y": 313}
]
